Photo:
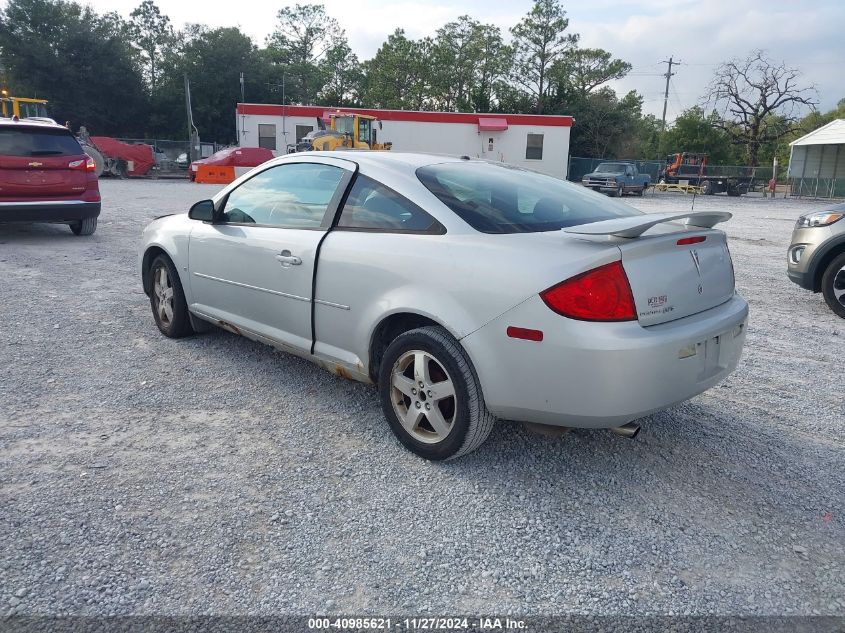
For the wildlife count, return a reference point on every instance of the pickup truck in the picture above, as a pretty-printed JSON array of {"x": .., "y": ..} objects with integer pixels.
[{"x": 617, "y": 179}]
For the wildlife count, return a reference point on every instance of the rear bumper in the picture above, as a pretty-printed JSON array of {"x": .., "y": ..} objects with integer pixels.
[
  {"x": 56, "y": 211},
  {"x": 600, "y": 375}
]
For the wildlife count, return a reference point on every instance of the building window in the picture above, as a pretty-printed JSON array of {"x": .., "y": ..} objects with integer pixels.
[
  {"x": 267, "y": 135},
  {"x": 534, "y": 147},
  {"x": 302, "y": 130}
]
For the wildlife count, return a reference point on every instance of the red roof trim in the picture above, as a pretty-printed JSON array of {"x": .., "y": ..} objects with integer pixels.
[{"x": 554, "y": 120}]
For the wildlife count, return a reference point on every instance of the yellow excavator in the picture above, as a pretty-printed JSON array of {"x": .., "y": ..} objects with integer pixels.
[
  {"x": 345, "y": 130},
  {"x": 22, "y": 107}
]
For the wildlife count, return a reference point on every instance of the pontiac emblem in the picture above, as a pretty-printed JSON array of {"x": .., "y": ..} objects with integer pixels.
[
  {"x": 695, "y": 260},
  {"x": 35, "y": 164}
]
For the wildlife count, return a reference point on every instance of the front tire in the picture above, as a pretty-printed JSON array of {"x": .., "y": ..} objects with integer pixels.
[
  {"x": 430, "y": 395},
  {"x": 833, "y": 285},
  {"x": 167, "y": 299},
  {"x": 84, "y": 227},
  {"x": 620, "y": 191}
]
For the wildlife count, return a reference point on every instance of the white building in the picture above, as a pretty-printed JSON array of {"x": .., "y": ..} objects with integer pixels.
[
  {"x": 538, "y": 142},
  {"x": 817, "y": 162}
]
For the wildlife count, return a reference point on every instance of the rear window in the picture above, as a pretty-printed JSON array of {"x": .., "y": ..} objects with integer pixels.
[
  {"x": 32, "y": 142},
  {"x": 494, "y": 198},
  {"x": 611, "y": 168}
]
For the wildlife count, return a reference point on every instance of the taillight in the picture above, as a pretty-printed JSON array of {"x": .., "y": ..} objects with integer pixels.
[
  {"x": 87, "y": 164},
  {"x": 601, "y": 294}
]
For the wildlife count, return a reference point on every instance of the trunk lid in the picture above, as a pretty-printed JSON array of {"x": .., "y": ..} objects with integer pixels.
[
  {"x": 677, "y": 269},
  {"x": 36, "y": 163},
  {"x": 671, "y": 279}
]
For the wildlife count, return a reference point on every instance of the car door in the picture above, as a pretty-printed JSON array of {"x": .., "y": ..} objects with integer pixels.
[
  {"x": 380, "y": 242},
  {"x": 253, "y": 267}
]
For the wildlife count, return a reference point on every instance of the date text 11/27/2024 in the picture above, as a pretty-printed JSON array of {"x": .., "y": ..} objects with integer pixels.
[{"x": 417, "y": 624}]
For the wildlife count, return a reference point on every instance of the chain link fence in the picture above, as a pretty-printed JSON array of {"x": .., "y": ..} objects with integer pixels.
[{"x": 817, "y": 187}]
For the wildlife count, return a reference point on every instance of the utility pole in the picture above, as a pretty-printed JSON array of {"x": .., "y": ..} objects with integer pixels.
[
  {"x": 671, "y": 61},
  {"x": 668, "y": 76},
  {"x": 193, "y": 133}
]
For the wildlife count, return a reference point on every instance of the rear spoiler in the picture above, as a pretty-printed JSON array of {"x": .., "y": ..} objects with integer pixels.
[{"x": 636, "y": 225}]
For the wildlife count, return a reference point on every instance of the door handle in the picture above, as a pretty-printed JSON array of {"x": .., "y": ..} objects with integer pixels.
[{"x": 286, "y": 259}]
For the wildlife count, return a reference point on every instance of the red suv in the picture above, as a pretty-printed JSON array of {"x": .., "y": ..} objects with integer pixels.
[{"x": 46, "y": 177}]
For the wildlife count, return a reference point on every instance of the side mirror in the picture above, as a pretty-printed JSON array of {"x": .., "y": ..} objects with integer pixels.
[{"x": 203, "y": 211}]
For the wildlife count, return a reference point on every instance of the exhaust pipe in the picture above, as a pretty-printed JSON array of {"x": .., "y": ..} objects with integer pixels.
[{"x": 629, "y": 430}]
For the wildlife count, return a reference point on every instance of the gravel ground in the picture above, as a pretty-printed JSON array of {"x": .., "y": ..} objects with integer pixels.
[{"x": 141, "y": 475}]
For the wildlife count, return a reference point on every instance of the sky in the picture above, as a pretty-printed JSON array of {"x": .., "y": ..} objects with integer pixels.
[{"x": 698, "y": 33}]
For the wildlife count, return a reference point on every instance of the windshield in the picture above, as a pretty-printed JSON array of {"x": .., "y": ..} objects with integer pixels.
[
  {"x": 495, "y": 198},
  {"x": 32, "y": 110},
  {"x": 343, "y": 124},
  {"x": 32, "y": 142},
  {"x": 611, "y": 168}
]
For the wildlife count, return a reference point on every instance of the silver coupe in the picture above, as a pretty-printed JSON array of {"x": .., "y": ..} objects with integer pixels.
[{"x": 465, "y": 290}]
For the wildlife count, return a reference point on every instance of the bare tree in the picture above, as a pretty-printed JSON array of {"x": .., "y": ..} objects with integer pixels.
[{"x": 758, "y": 101}]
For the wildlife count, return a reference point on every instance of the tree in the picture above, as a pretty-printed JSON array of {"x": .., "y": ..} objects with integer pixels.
[
  {"x": 400, "y": 74},
  {"x": 695, "y": 131},
  {"x": 344, "y": 77},
  {"x": 303, "y": 39},
  {"x": 753, "y": 93},
  {"x": 78, "y": 60},
  {"x": 494, "y": 61},
  {"x": 470, "y": 57},
  {"x": 151, "y": 32},
  {"x": 539, "y": 42},
  {"x": 583, "y": 70},
  {"x": 606, "y": 125},
  {"x": 213, "y": 60}
]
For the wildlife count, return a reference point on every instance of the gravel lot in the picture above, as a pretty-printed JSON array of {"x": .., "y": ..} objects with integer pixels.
[{"x": 214, "y": 475}]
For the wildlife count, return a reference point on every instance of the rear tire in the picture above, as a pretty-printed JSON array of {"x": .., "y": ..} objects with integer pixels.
[
  {"x": 707, "y": 188},
  {"x": 445, "y": 416},
  {"x": 641, "y": 191},
  {"x": 84, "y": 227},
  {"x": 833, "y": 285},
  {"x": 167, "y": 299}
]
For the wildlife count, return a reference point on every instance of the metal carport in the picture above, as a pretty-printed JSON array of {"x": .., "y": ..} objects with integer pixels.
[{"x": 817, "y": 162}]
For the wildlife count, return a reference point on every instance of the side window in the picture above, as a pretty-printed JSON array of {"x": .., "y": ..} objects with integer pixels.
[
  {"x": 534, "y": 147},
  {"x": 267, "y": 135},
  {"x": 294, "y": 196},
  {"x": 371, "y": 205}
]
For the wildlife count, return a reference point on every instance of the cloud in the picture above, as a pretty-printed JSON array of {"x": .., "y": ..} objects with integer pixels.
[
  {"x": 642, "y": 32},
  {"x": 701, "y": 35}
]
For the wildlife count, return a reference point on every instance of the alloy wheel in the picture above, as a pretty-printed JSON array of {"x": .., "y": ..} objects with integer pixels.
[
  {"x": 839, "y": 286},
  {"x": 423, "y": 396},
  {"x": 163, "y": 291}
]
